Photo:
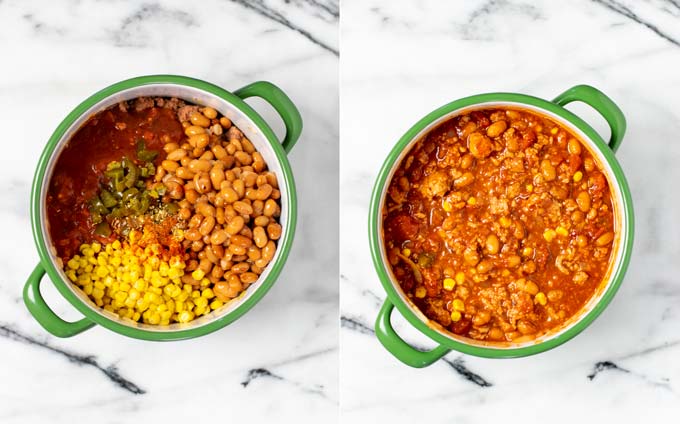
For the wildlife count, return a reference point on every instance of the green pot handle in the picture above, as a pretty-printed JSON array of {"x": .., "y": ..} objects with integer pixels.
[
  {"x": 282, "y": 104},
  {"x": 398, "y": 347},
  {"x": 601, "y": 103},
  {"x": 43, "y": 314}
]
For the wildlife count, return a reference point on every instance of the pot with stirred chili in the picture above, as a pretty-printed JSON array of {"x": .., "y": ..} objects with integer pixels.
[{"x": 498, "y": 225}]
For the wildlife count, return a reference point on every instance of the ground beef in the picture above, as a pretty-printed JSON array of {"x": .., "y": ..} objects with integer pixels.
[
  {"x": 141, "y": 103},
  {"x": 184, "y": 112}
]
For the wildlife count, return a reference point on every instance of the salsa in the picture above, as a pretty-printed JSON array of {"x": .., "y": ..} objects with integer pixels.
[
  {"x": 498, "y": 224},
  {"x": 106, "y": 137}
]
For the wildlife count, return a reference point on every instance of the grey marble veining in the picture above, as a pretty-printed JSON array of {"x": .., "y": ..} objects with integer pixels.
[{"x": 401, "y": 60}]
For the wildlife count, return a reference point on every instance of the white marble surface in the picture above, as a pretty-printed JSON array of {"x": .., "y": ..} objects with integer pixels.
[
  {"x": 401, "y": 60},
  {"x": 278, "y": 362}
]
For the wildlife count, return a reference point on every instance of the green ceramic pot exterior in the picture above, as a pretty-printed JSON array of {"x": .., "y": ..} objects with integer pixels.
[
  {"x": 94, "y": 315},
  {"x": 603, "y": 150}
]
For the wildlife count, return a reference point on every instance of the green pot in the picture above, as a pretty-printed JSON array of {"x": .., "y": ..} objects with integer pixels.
[
  {"x": 603, "y": 151},
  {"x": 231, "y": 105}
]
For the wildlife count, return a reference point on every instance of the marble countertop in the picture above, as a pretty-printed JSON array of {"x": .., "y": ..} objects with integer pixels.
[
  {"x": 280, "y": 358},
  {"x": 400, "y": 60}
]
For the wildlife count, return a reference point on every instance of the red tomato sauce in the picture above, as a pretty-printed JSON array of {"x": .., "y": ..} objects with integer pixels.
[{"x": 107, "y": 136}]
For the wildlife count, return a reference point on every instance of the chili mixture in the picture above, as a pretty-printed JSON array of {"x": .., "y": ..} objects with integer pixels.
[
  {"x": 498, "y": 224},
  {"x": 162, "y": 211}
]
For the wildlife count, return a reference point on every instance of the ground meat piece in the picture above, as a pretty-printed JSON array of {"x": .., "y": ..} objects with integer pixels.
[
  {"x": 492, "y": 299},
  {"x": 528, "y": 139},
  {"x": 435, "y": 184},
  {"x": 172, "y": 103},
  {"x": 498, "y": 206},
  {"x": 574, "y": 162},
  {"x": 184, "y": 112},
  {"x": 142, "y": 103},
  {"x": 521, "y": 305},
  {"x": 123, "y": 106},
  {"x": 234, "y": 133},
  {"x": 597, "y": 184},
  {"x": 436, "y": 309}
]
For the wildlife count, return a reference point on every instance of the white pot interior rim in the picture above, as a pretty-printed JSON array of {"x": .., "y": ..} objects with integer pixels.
[
  {"x": 620, "y": 225},
  {"x": 190, "y": 95}
]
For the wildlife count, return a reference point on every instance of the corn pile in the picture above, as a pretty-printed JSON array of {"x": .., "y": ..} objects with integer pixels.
[{"x": 136, "y": 283}]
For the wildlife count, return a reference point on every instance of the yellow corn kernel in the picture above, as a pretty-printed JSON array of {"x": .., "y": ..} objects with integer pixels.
[
  {"x": 199, "y": 310},
  {"x": 504, "y": 221},
  {"x": 177, "y": 262},
  {"x": 456, "y": 316},
  {"x": 201, "y": 302},
  {"x": 71, "y": 274},
  {"x": 133, "y": 294},
  {"x": 446, "y": 204},
  {"x": 460, "y": 277},
  {"x": 97, "y": 293},
  {"x": 179, "y": 305},
  {"x": 207, "y": 293},
  {"x": 578, "y": 176},
  {"x": 216, "y": 304},
  {"x": 420, "y": 292},
  {"x": 198, "y": 274},
  {"x": 186, "y": 316},
  {"x": 549, "y": 235},
  {"x": 163, "y": 269},
  {"x": 134, "y": 236},
  {"x": 541, "y": 299},
  {"x": 142, "y": 305},
  {"x": 553, "y": 131},
  {"x": 406, "y": 252},
  {"x": 527, "y": 251},
  {"x": 560, "y": 230},
  {"x": 449, "y": 283},
  {"x": 458, "y": 305},
  {"x": 472, "y": 201},
  {"x": 175, "y": 273},
  {"x": 73, "y": 263},
  {"x": 529, "y": 188}
]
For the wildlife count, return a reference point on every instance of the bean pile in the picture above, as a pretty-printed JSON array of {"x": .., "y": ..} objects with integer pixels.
[{"x": 229, "y": 200}]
